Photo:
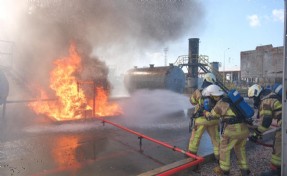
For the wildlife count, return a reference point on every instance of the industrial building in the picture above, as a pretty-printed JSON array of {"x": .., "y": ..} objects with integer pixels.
[{"x": 264, "y": 65}]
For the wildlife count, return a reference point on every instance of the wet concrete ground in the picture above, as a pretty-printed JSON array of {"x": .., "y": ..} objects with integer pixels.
[{"x": 32, "y": 145}]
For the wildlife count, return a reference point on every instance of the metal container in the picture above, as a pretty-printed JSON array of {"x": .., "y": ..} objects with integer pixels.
[{"x": 169, "y": 77}]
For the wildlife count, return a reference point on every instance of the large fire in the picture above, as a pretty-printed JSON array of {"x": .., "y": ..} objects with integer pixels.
[{"x": 71, "y": 102}]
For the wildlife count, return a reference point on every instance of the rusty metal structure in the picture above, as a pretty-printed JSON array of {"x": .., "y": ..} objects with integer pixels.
[
  {"x": 192, "y": 62},
  {"x": 196, "y": 64},
  {"x": 170, "y": 77}
]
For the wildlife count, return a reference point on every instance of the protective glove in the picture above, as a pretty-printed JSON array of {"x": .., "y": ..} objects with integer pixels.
[
  {"x": 249, "y": 122},
  {"x": 207, "y": 115},
  {"x": 255, "y": 137}
]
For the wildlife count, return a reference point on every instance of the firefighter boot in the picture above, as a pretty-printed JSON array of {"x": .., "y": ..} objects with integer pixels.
[
  {"x": 245, "y": 172},
  {"x": 216, "y": 158},
  {"x": 219, "y": 172},
  {"x": 196, "y": 167}
]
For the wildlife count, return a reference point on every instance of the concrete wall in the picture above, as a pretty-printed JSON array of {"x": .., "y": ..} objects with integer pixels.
[{"x": 263, "y": 65}]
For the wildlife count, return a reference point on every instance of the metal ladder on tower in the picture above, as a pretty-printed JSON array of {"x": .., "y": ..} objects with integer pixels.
[{"x": 203, "y": 64}]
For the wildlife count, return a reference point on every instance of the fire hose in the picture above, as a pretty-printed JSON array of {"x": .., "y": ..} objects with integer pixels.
[
  {"x": 264, "y": 144},
  {"x": 197, "y": 160},
  {"x": 261, "y": 143}
]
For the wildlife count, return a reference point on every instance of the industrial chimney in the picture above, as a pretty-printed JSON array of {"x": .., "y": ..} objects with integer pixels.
[{"x": 192, "y": 74}]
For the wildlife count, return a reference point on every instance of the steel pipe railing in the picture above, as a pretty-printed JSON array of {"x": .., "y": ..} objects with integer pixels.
[{"x": 197, "y": 160}]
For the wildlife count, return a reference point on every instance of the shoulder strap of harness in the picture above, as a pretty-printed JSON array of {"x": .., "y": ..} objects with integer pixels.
[
  {"x": 231, "y": 105},
  {"x": 274, "y": 96},
  {"x": 227, "y": 100}
]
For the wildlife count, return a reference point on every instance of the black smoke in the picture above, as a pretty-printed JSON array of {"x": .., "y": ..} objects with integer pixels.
[{"x": 100, "y": 28}]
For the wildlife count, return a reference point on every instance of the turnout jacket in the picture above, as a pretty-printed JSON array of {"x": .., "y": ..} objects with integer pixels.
[
  {"x": 196, "y": 99},
  {"x": 233, "y": 125},
  {"x": 270, "y": 108}
]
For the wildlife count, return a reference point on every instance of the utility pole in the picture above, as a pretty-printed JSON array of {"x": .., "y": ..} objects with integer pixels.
[
  {"x": 284, "y": 102},
  {"x": 224, "y": 76},
  {"x": 165, "y": 50}
]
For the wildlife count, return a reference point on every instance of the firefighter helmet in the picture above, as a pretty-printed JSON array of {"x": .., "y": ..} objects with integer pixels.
[
  {"x": 209, "y": 77},
  {"x": 277, "y": 88},
  {"x": 254, "y": 91},
  {"x": 205, "y": 92},
  {"x": 214, "y": 90}
]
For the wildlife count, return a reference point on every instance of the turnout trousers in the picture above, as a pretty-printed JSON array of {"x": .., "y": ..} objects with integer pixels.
[
  {"x": 234, "y": 137},
  {"x": 212, "y": 128}
]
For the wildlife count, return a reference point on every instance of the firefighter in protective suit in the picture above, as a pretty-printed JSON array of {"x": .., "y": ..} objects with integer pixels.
[
  {"x": 270, "y": 108},
  {"x": 234, "y": 132},
  {"x": 200, "y": 122}
]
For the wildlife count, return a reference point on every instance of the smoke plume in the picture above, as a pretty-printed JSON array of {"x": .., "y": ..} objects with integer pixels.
[{"x": 115, "y": 32}]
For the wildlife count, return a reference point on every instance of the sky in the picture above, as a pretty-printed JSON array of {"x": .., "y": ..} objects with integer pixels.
[
  {"x": 229, "y": 27},
  {"x": 239, "y": 25}
]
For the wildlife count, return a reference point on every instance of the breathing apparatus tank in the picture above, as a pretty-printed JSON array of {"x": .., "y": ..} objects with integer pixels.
[
  {"x": 241, "y": 105},
  {"x": 277, "y": 88}
]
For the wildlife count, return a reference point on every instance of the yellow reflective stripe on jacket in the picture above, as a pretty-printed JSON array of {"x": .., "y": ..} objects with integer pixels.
[
  {"x": 229, "y": 113},
  {"x": 277, "y": 105},
  {"x": 262, "y": 129},
  {"x": 279, "y": 122},
  {"x": 276, "y": 160},
  {"x": 277, "y": 113},
  {"x": 203, "y": 121},
  {"x": 269, "y": 108},
  {"x": 195, "y": 99},
  {"x": 265, "y": 113}
]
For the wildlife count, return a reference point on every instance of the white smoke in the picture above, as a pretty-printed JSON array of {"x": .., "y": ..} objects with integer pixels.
[
  {"x": 120, "y": 33},
  {"x": 68, "y": 127},
  {"x": 154, "y": 107}
]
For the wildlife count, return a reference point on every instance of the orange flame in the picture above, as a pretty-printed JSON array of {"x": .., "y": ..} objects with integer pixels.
[
  {"x": 103, "y": 108},
  {"x": 71, "y": 101}
]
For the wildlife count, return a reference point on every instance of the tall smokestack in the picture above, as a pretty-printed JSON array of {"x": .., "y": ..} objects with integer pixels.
[{"x": 192, "y": 74}]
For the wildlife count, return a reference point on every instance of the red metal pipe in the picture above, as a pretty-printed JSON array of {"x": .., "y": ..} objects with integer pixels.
[
  {"x": 180, "y": 168},
  {"x": 197, "y": 160}
]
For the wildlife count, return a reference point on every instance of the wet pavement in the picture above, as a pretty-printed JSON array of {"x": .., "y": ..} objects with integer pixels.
[{"x": 33, "y": 145}]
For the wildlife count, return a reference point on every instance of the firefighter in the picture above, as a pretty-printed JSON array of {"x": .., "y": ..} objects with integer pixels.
[
  {"x": 270, "y": 108},
  {"x": 200, "y": 122},
  {"x": 234, "y": 132}
]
